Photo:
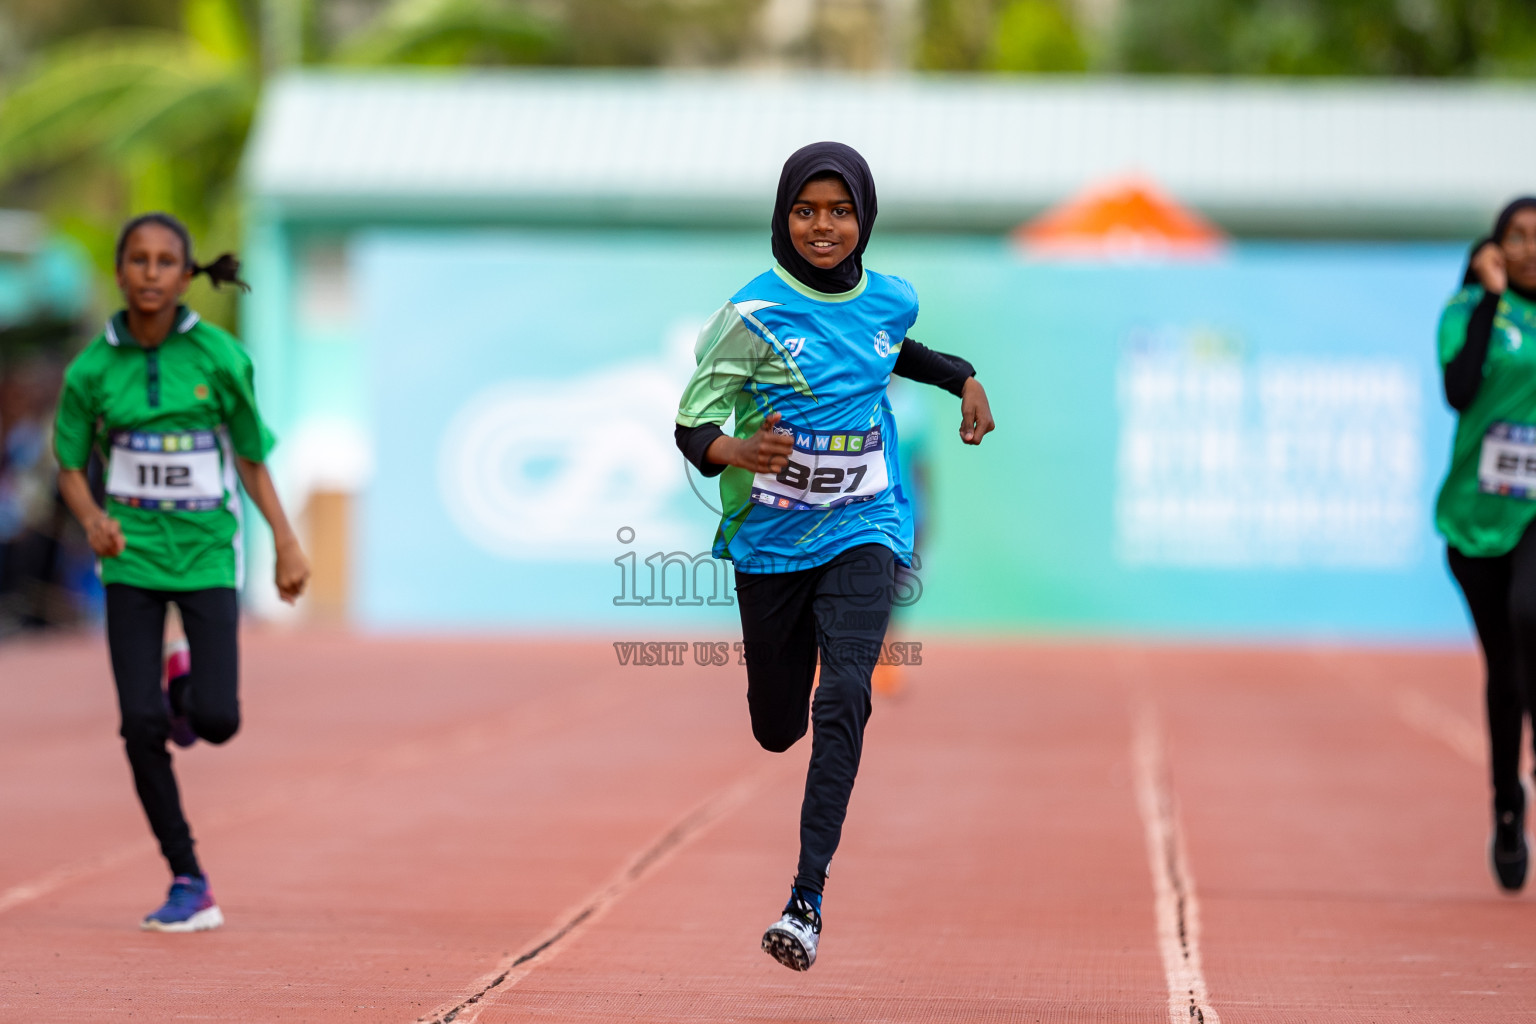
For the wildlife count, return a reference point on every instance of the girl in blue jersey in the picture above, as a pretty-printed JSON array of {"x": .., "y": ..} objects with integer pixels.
[{"x": 815, "y": 514}]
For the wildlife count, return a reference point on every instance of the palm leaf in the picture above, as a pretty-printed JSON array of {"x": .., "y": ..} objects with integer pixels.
[
  {"x": 106, "y": 94},
  {"x": 443, "y": 32}
]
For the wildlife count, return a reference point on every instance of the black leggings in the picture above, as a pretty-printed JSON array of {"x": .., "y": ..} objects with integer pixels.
[
  {"x": 838, "y": 610},
  {"x": 1501, "y": 594},
  {"x": 136, "y": 638}
]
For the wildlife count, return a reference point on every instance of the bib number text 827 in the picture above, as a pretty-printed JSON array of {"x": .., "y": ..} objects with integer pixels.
[{"x": 826, "y": 479}]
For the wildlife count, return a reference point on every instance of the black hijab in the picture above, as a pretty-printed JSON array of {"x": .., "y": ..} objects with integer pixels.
[
  {"x": 1500, "y": 229},
  {"x": 804, "y": 164}
]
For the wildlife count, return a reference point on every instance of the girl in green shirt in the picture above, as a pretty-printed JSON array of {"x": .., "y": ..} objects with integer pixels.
[
  {"x": 168, "y": 403},
  {"x": 1488, "y": 500}
]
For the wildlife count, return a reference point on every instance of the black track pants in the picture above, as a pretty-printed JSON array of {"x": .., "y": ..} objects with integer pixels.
[
  {"x": 136, "y": 637},
  {"x": 840, "y": 611},
  {"x": 1501, "y": 594}
]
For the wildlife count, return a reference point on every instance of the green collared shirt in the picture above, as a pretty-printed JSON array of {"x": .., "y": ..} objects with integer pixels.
[
  {"x": 1479, "y": 511},
  {"x": 168, "y": 422}
]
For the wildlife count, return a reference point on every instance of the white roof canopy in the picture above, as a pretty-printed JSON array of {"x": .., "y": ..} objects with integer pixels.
[{"x": 947, "y": 152}]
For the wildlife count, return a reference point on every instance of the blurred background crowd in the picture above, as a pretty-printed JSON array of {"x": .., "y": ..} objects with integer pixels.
[{"x": 111, "y": 107}]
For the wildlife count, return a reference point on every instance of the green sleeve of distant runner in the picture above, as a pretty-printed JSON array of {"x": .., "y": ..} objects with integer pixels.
[
  {"x": 74, "y": 425},
  {"x": 251, "y": 438},
  {"x": 1476, "y": 519},
  {"x": 1453, "y": 322},
  {"x": 729, "y": 355}
]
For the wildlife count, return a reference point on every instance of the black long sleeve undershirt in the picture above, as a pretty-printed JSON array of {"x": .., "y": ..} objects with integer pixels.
[
  {"x": 1464, "y": 373},
  {"x": 694, "y": 442},
  {"x": 922, "y": 364},
  {"x": 916, "y": 362}
]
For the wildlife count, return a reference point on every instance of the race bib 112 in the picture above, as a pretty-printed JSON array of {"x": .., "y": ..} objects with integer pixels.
[
  {"x": 1507, "y": 464},
  {"x": 180, "y": 472},
  {"x": 827, "y": 468}
]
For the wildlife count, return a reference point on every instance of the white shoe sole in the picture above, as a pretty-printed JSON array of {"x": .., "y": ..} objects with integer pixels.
[
  {"x": 787, "y": 950},
  {"x": 202, "y": 921}
]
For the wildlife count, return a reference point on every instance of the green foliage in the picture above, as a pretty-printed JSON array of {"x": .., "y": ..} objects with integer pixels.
[
  {"x": 644, "y": 33},
  {"x": 581, "y": 33},
  {"x": 454, "y": 32},
  {"x": 1000, "y": 35},
  {"x": 108, "y": 107},
  {"x": 34, "y": 25},
  {"x": 150, "y": 107},
  {"x": 956, "y": 34},
  {"x": 1035, "y": 35},
  {"x": 1237, "y": 37},
  {"x": 106, "y": 96},
  {"x": 218, "y": 28},
  {"x": 1330, "y": 37},
  {"x": 107, "y": 124},
  {"x": 110, "y": 124}
]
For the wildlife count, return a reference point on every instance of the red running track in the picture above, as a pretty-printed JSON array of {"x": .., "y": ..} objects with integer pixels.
[{"x": 512, "y": 832}]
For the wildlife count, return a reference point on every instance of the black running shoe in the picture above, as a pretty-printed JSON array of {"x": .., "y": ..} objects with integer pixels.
[{"x": 1510, "y": 853}]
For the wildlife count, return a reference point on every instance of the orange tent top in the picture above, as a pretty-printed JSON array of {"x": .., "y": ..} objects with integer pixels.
[{"x": 1129, "y": 217}]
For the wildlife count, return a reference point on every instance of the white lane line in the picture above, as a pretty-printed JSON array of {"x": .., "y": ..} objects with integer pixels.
[
  {"x": 1178, "y": 910},
  {"x": 1434, "y": 719},
  {"x": 461, "y": 742},
  {"x": 570, "y": 925},
  {"x": 59, "y": 877}
]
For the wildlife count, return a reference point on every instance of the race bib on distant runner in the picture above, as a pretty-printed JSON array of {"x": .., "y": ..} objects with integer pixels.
[
  {"x": 1507, "y": 464},
  {"x": 827, "y": 469},
  {"x": 181, "y": 472}
]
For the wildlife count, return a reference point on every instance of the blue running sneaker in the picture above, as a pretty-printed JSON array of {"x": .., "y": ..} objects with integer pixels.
[
  {"x": 792, "y": 941},
  {"x": 188, "y": 908},
  {"x": 178, "y": 672}
]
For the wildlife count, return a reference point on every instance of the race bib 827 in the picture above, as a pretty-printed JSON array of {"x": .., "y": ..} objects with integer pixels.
[
  {"x": 828, "y": 468},
  {"x": 180, "y": 472},
  {"x": 1507, "y": 464}
]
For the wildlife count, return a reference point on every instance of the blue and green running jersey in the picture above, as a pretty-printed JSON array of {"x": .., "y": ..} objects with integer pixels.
[{"x": 822, "y": 362}]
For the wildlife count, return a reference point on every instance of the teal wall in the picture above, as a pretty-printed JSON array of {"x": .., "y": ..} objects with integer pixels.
[
  {"x": 53, "y": 283},
  {"x": 1242, "y": 447}
]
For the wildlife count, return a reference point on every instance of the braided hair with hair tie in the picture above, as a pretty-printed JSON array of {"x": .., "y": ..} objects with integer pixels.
[{"x": 223, "y": 270}]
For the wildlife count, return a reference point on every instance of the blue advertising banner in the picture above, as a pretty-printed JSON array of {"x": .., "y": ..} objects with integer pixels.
[{"x": 1242, "y": 447}]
